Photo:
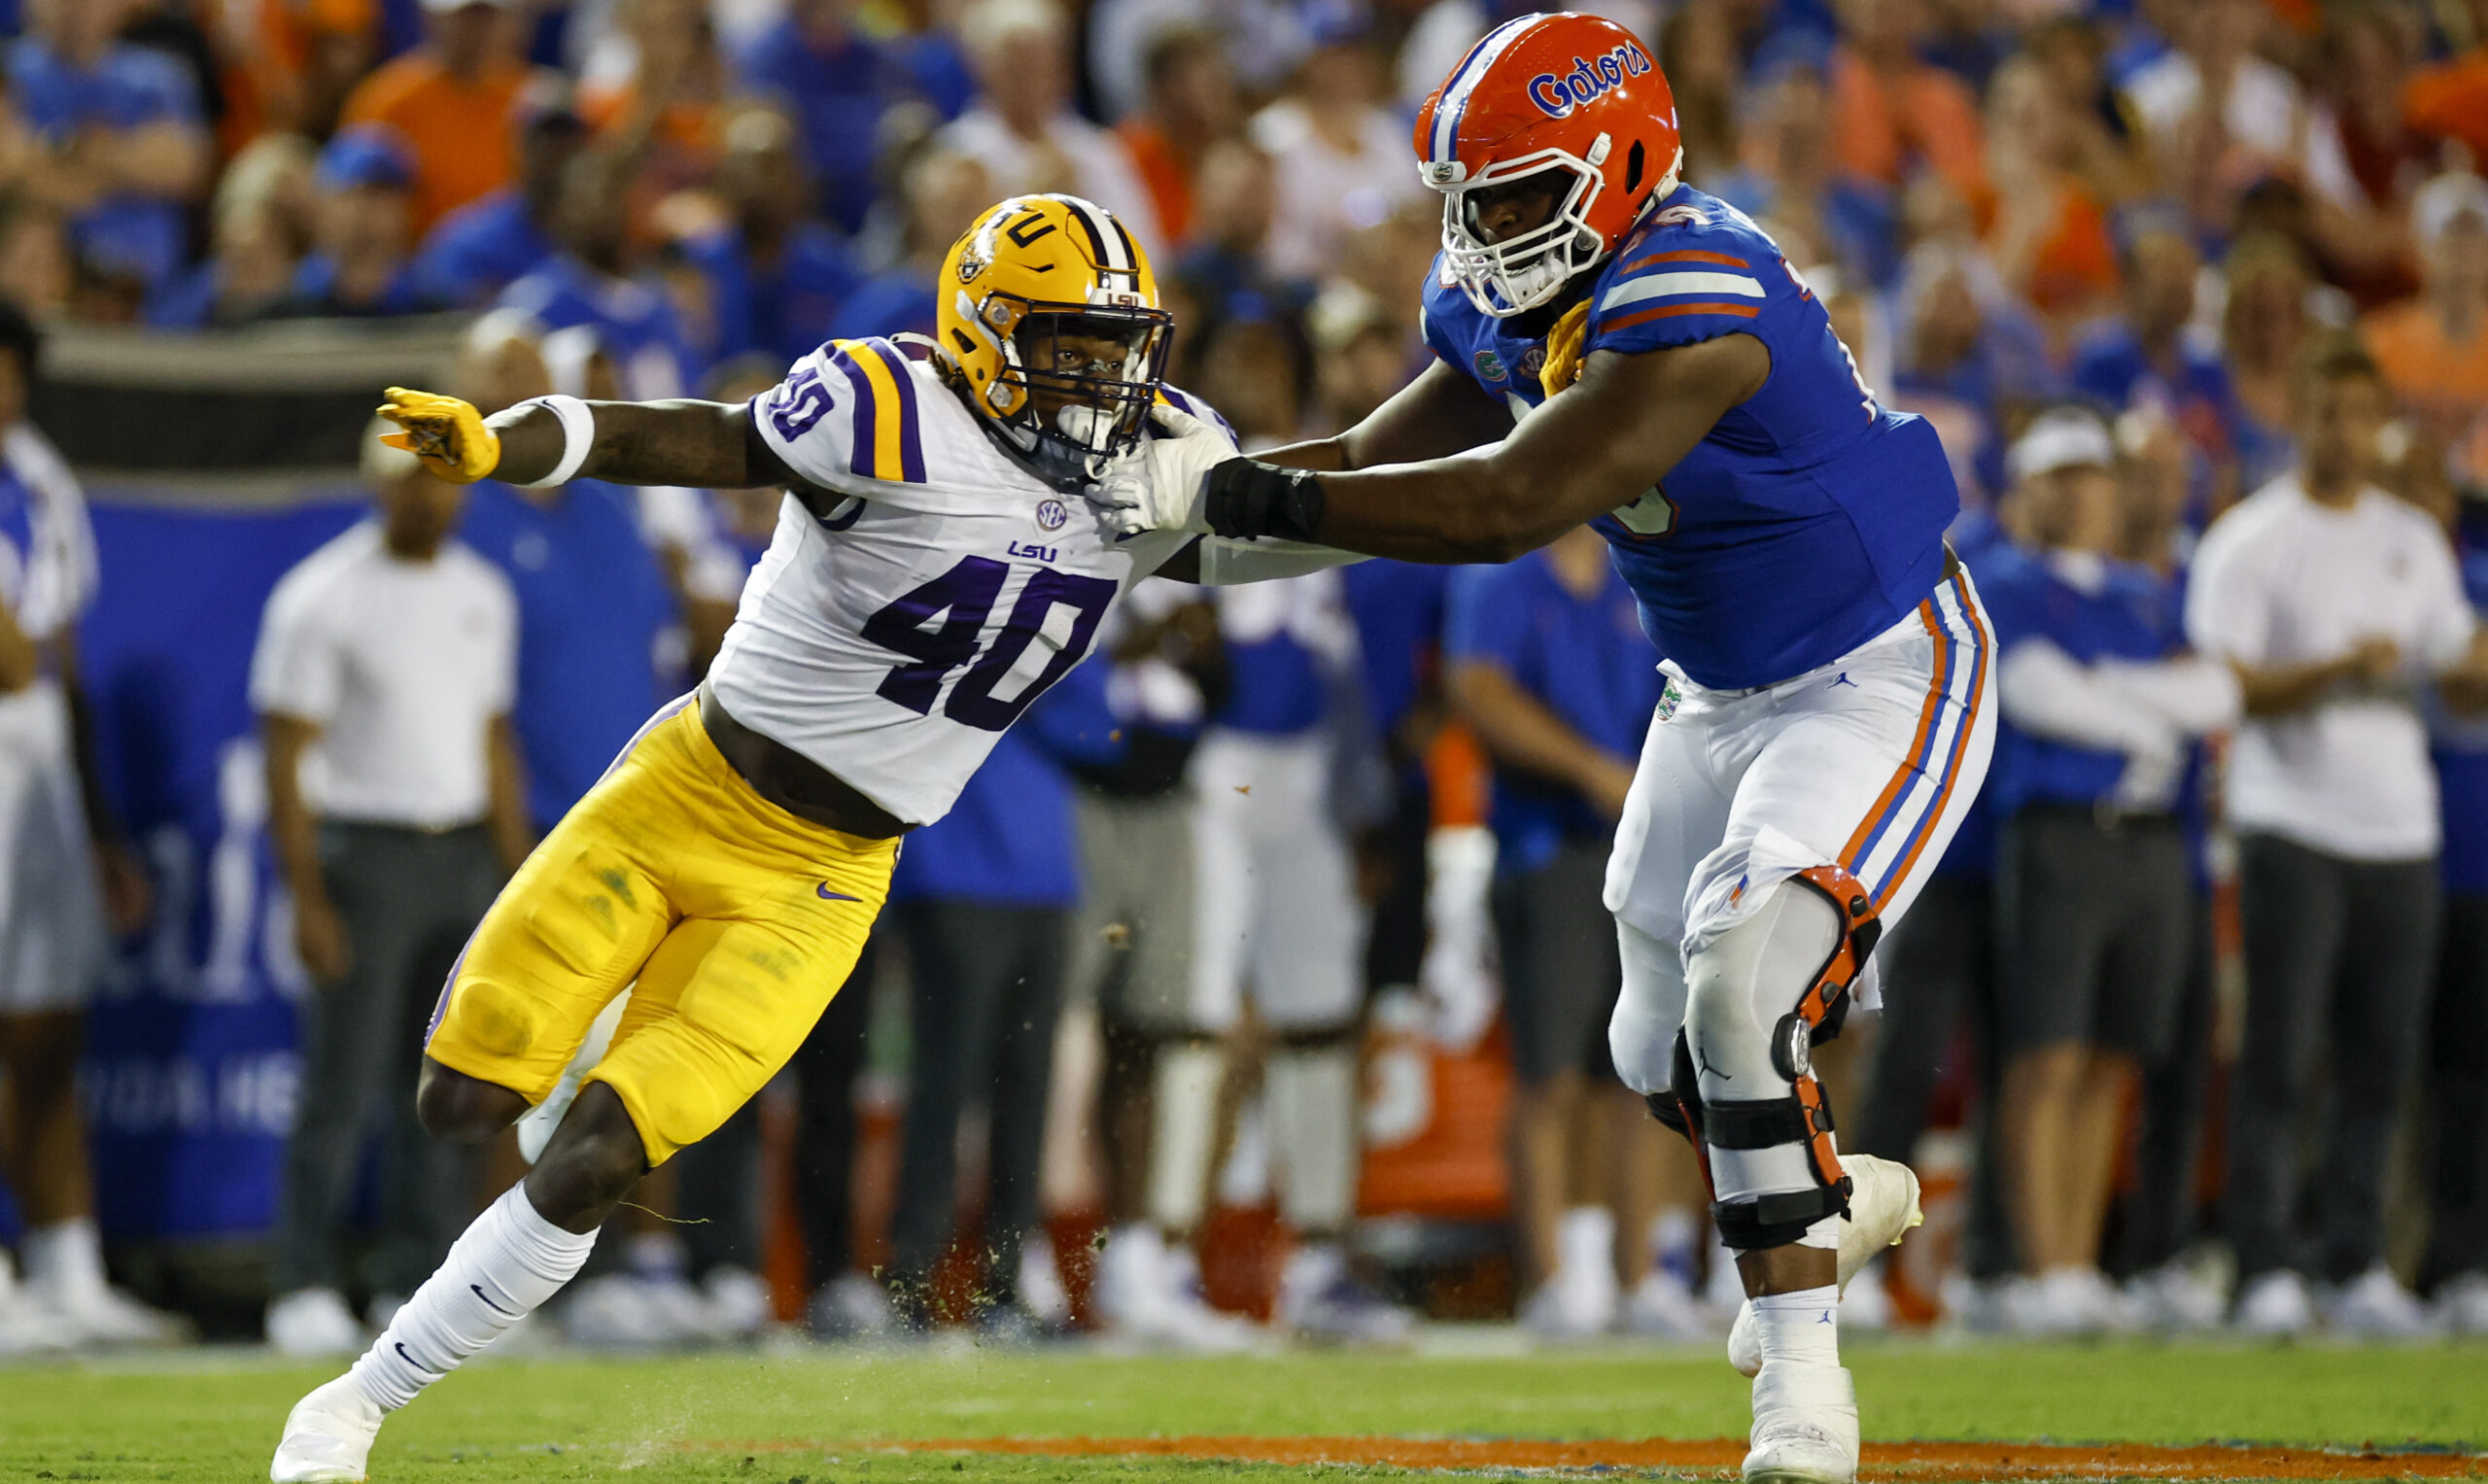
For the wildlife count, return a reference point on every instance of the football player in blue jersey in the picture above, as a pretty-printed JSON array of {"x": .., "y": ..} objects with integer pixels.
[{"x": 1614, "y": 347}]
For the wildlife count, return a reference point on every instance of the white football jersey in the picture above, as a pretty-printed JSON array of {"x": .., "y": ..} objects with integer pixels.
[
  {"x": 893, "y": 639},
  {"x": 47, "y": 548}
]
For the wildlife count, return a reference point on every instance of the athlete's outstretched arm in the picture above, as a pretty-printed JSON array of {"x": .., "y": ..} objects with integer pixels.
[
  {"x": 701, "y": 444},
  {"x": 1441, "y": 413},
  {"x": 1598, "y": 445}
]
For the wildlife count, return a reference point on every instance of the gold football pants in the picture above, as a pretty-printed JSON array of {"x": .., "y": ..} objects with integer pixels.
[{"x": 738, "y": 922}]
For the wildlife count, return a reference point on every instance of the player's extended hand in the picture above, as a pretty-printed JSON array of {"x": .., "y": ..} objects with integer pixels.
[
  {"x": 447, "y": 435},
  {"x": 321, "y": 941},
  {"x": 1564, "y": 344},
  {"x": 1159, "y": 486}
]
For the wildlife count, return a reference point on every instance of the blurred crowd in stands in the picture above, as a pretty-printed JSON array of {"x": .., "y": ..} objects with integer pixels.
[{"x": 2140, "y": 262}]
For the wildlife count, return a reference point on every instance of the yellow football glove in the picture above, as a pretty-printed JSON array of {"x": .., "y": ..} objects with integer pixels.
[
  {"x": 1564, "y": 343},
  {"x": 447, "y": 435}
]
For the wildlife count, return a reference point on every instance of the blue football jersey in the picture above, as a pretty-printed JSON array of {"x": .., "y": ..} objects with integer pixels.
[{"x": 1807, "y": 521}]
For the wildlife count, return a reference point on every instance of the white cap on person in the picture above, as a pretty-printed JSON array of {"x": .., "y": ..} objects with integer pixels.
[{"x": 2066, "y": 438}]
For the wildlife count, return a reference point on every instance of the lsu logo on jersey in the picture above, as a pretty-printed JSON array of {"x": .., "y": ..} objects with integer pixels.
[{"x": 1557, "y": 96}]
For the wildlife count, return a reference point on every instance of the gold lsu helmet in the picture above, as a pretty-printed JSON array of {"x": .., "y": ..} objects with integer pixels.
[{"x": 1051, "y": 317}]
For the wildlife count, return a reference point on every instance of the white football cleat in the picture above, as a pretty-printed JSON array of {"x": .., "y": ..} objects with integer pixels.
[
  {"x": 1147, "y": 1292},
  {"x": 312, "y": 1322},
  {"x": 2375, "y": 1306},
  {"x": 850, "y": 1306},
  {"x": 98, "y": 1314},
  {"x": 623, "y": 1311},
  {"x": 28, "y": 1328},
  {"x": 739, "y": 1304},
  {"x": 1662, "y": 1307},
  {"x": 2461, "y": 1305},
  {"x": 2276, "y": 1305},
  {"x": 1041, "y": 1290},
  {"x": 1320, "y": 1299},
  {"x": 2174, "y": 1299},
  {"x": 1578, "y": 1299},
  {"x": 1882, "y": 1204},
  {"x": 1805, "y": 1426},
  {"x": 328, "y": 1436},
  {"x": 2066, "y": 1302}
]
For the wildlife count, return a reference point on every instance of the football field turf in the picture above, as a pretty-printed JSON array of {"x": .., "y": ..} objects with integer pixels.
[{"x": 956, "y": 1412}]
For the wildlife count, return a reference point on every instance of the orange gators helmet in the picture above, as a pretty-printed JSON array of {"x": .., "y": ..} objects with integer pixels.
[{"x": 1564, "y": 93}]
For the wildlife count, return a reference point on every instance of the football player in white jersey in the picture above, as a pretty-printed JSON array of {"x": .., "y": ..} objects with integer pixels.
[{"x": 936, "y": 566}]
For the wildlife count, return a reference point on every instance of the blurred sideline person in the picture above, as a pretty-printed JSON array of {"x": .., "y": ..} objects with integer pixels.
[
  {"x": 2095, "y": 901},
  {"x": 1132, "y": 950},
  {"x": 1830, "y": 693},
  {"x": 2167, "y": 1289},
  {"x": 934, "y": 572},
  {"x": 65, "y": 876},
  {"x": 383, "y": 676},
  {"x": 2334, "y": 602},
  {"x": 1279, "y": 923},
  {"x": 2453, "y": 1151},
  {"x": 982, "y": 899},
  {"x": 843, "y": 1301},
  {"x": 1548, "y": 663}
]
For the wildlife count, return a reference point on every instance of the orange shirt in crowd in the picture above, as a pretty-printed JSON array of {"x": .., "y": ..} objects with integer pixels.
[
  {"x": 2076, "y": 265},
  {"x": 1171, "y": 191},
  {"x": 264, "y": 85},
  {"x": 2450, "y": 101},
  {"x": 1879, "y": 123},
  {"x": 2444, "y": 383},
  {"x": 459, "y": 132}
]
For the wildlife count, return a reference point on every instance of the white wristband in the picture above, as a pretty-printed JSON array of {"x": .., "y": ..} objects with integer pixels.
[{"x": 578, "y": 436}]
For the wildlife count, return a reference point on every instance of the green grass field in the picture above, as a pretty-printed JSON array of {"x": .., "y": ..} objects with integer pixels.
[{"x": 832, "y": 1418}]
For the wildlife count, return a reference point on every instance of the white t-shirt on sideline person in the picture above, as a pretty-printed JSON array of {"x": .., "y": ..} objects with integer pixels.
[
  {"x": 2282, "y": 580},
  {"x": 403, "y": 666}
]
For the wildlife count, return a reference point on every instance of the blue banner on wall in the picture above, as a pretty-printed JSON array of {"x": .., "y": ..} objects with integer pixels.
[{"x": 191, "y": 1071}]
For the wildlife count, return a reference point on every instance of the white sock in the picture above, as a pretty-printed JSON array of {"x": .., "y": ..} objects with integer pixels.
[
  {"x": 1312, "y": 1101},
  {"x": 64, "y": 1258},
  {"x": 506, "y": 1264},
  {"x": 1803, "y": 1327},
  {"x": 1186, "y": 1085}
]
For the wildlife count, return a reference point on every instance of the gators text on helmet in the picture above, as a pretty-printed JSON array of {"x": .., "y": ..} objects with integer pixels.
[
  {"x": 1566, "y": 93},
  {"x": 1050, "y": 312}
]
